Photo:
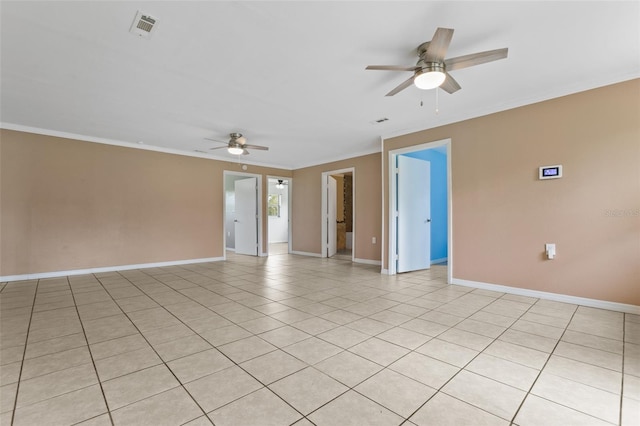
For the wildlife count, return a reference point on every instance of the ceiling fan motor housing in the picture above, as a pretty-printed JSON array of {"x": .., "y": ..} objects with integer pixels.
[
  {"x": 431, "y": 66},
  {"x": 422, "y": 49}
]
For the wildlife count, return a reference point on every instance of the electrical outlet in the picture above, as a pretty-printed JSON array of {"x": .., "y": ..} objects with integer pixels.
[
  {"x": 373, "y": 240},
  {"x": 550, "y": 250}
]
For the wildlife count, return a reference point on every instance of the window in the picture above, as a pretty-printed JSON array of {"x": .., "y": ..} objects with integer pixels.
[{"x": 273, "y": 205}]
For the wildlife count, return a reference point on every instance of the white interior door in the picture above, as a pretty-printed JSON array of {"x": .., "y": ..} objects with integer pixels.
[
  {"x": 332, "y": 217},
  {"x": 414, "y": 214},
  {"x": 246, "y": 221}
]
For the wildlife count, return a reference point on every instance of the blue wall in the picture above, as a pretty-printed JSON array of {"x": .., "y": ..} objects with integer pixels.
[{"x": 438, "y": 199}]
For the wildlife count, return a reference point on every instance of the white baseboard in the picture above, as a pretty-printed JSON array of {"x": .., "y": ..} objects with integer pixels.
[
  {"x": 305, "y": 253},
  {"x": 593, "y": 303},
  {"x": 384, "y": 271},
  {"x": 230, "y": 249},
  {"x": 56, "y": 274},
  {"x": 442, "y": 259},
  {"x": 368, "y": 261}
]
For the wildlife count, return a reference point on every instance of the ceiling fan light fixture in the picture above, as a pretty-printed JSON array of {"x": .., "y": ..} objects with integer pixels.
[
  {"x": 431, "y": 76},
  {"x": 235, "y": 150},
  {"x": 236, "y": 144}
]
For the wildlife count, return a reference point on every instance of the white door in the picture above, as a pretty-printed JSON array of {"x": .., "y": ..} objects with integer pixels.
[
  {"x": 414, "y": 214},
  {"x": 332, "y": 216},
  {"x": 246, "y": 221}
]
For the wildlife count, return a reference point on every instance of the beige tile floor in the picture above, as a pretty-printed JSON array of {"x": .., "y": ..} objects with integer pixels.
[{"x": 294, "y": 340}]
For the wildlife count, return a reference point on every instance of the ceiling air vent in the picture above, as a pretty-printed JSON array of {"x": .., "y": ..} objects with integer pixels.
[{"x": 143, "y": 25}]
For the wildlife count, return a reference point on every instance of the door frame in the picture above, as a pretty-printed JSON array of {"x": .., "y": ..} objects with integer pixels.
[
  {"x": 392, "y": 204},
  {"x": 227, "y": 173},
  {"x": 324, "y": 205},
  {"x": 289, "y": 209}
]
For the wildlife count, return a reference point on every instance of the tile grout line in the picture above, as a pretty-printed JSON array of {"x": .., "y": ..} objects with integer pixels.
[
  {"x": 84, "y": 333},
  {"x": 410, "y": 350},
  {"x": 471, "y": 360},
  {"x": 543, "y": 367},
  {"x": 278, "y": 348},
  {"x": 163, "y": 362},
  {"x": 550, "y": 354},
  {"x": 406, "y": 419},
  {"x": 213, "y": 346},
  {"x": 496, "y": 338},
  {"x": 216, "y": 348},
  {"x": 248, "y": 288},
  {"x": 281, "y": 349},
  {"x": 207, "y": 307},
  {"x": 24, "y": 353}
]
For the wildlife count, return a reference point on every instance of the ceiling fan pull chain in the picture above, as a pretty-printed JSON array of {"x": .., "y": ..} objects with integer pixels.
[{"x": 437, "y": 108}]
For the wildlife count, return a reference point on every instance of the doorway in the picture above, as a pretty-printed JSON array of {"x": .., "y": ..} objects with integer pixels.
[
  {"x": 420, "y": 214},
  {"x": 242, "y": 213},
  {"x": 338, "y": 212},
  {"x": 279, "y": 215}
]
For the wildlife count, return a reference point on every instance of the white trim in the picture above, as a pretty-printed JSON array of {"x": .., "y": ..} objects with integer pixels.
[
  {"x": 383, "y": 207},
  {"x": 391, "y": 262},
  {"x": 323, "y": 212},
  {"x": 290, "y": 212},
  {"x": 306, "y": 253},
  {"x": 368, "y": 261},
  {"x": 144, "y": 147},
  {"x": 391, "y": 214},
  {"x": 449, "y": 214},
  {"x": 107, "y": 269},
  {"x": 384, "y": 271},
  {"x": 354, "y": 222},
  {"x": 576, "y": 300},
  {"x": 442, "y": 259}
]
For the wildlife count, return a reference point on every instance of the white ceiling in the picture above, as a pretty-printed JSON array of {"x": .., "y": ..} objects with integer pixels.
[{"x": 290, "y": 75}]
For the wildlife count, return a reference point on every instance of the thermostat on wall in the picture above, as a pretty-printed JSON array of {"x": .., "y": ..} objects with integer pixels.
[{"x": 550, "y": 172}]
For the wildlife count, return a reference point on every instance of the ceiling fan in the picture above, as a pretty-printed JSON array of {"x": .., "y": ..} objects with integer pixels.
[
  {"x": 432, "y": 69},
  {"x": 238, "y": 145},
  {"x": 281, "y": 183}
]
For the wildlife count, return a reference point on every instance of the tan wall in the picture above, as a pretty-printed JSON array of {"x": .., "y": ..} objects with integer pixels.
[
  {"x": 307, "y": 202},
  {"x": 503, "y": 215},
  {"x": 68, "y": 204},
  {"x": 339, "y": 197}
]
